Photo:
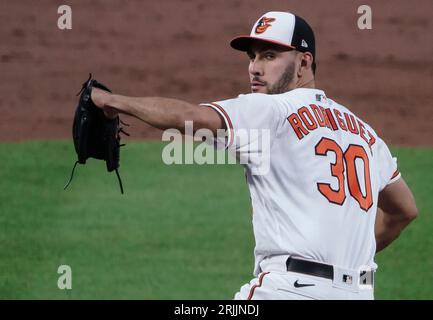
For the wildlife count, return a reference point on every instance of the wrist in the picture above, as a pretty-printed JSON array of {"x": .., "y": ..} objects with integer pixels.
[
  {"x": 100, "y": 97},
  {"x": 109, "y": 106}
]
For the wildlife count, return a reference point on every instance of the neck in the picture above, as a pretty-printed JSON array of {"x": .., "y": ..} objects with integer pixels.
[{"x": 310, "y": 83}]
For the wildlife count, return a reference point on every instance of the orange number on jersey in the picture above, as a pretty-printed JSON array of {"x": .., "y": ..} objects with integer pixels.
[
  {"x": 352, "y": 153},
  {"x": 337, "y": 170}
]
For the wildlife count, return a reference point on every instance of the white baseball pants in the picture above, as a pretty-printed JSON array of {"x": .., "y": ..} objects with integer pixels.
[{"x": 275, "y": 283}]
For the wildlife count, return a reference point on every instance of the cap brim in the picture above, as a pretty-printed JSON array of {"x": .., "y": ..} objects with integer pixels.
[{"x": 243, "y": 43}]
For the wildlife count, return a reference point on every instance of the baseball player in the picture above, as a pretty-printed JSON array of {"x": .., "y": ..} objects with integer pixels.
[{"x": 332, "y": 195}]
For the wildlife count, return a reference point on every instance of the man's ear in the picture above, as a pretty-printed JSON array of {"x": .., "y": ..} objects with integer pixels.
[{"x": 306, "y": 62}]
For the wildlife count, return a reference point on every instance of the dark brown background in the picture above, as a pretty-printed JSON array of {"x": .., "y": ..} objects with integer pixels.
[{"x": 180, "y": 49}]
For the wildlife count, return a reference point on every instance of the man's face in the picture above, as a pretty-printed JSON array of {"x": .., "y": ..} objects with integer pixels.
[{"x": 271, "y": 68}]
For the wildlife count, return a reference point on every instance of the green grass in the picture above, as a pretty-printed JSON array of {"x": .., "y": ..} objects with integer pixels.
[{"x": 179, "y": 232}]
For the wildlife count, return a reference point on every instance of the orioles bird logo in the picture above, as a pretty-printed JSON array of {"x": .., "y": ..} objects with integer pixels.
[{"x": 263, "y": 24}]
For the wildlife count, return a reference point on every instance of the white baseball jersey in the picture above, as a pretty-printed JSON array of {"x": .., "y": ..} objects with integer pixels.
[{"x": 314, "y": 187}]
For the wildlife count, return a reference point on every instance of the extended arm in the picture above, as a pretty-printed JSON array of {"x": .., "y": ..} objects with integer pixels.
[
  {"x": 396, "y": 209},
  {"x": 162, "y": 113}
]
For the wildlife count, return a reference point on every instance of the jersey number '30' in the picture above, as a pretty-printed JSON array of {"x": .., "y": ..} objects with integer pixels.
[{"x": 349, "y": 157}]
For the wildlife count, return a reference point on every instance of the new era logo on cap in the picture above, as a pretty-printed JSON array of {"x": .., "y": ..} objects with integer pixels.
[{"x": 304, "y": 44}]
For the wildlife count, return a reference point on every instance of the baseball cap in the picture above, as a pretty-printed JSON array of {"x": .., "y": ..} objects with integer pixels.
[{"x": 282, "y": 28}]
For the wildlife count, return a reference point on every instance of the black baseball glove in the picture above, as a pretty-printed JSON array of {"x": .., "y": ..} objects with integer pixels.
[{"x": 95, "y": 135}]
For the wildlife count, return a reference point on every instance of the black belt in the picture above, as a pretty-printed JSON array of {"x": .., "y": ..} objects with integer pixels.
[{"x": 310, "y": 267}]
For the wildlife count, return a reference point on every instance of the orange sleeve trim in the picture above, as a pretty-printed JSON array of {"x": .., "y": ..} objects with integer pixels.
[
  {"x": 226, "y": 116},
  {"x": 395, "y": 174},
  {"x": 250, "y": 296}
]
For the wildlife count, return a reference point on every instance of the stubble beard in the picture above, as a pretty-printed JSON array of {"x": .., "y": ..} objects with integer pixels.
[{"x": 282, "y": 85}]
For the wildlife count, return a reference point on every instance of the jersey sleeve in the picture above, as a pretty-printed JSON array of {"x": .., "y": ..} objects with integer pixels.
[
  {"x": 388, "y": 170},
  {"x": 248, "y": 119}
]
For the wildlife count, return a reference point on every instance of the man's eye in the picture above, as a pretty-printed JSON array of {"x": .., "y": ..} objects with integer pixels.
[{"x": 269, "y": 56}]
